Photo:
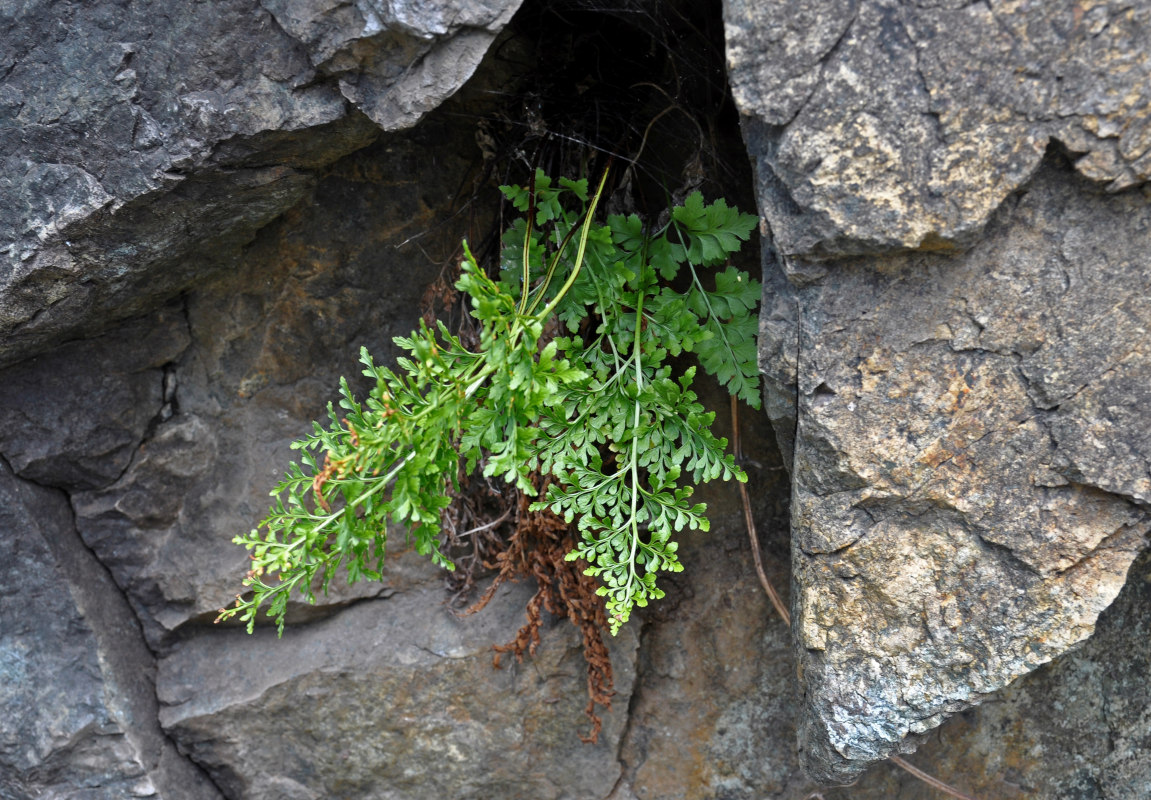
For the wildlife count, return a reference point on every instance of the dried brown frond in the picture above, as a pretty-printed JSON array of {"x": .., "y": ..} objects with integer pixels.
[{"x": 537, "y": 550}]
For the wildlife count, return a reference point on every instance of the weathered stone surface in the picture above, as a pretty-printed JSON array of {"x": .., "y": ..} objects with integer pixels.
[
  {"x": 80, "y": 713},
  {"x": 141, "y": 149},
  {"x": 395, "y": 61},
  {"x": 948, "y": 534},
  {"x": 966, "y": 430},
  {"x": 778, "y": 342},
  {"x": 261, "y": 364},
  {"x": 892, "y": 124},
  {"x": 1078, "y": 727},
  {"x": 399, "y": 700},
  {"x": 73, "y": 418}
]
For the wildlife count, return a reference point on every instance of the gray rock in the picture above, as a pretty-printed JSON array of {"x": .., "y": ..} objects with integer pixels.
[
  {"x": 953, "y": 525},
  {"x": 268, "y": 344},
  {"x": 395, "y": 61},
  {"x": 117, "y": 381},
  {"x": 140, "y": 151},
  {"x": 893, "y": 125},
  {"x": 1078, "y": 727},
  {"x": 778, "y": 343},
  {"x": 398, "y": 699},
  {"x": 80, "y": 712},
  {"x": 968, "y": 427}
]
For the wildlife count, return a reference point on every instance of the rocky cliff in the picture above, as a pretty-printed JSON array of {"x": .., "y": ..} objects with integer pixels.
[
  {"x": 955, "y": 340},
  {"x": 212, "y": 206}
]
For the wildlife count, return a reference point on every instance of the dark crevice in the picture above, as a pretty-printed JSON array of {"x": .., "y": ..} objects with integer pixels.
[
  {"x": 126, "y": 657},
  {"x": 169, "y": 406}
]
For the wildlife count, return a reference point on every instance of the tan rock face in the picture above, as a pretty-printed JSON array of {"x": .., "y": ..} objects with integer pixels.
[
  {"x": 969, "y": 420},
  {"x": 968, "y": 464},
  {"x": 898, "y": 125}
]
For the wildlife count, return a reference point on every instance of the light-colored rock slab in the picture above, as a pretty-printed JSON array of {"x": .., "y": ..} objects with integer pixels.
[{"x": 966, "y": 425}]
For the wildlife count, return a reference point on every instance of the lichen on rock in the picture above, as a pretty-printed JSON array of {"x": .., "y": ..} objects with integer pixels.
[
  {"x": 954, "y": 353},
  {"x": 905, "y": 125}
]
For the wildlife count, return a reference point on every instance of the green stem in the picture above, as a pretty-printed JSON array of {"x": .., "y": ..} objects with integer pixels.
[
  {"x": 634, "y": 466},
  {"x": 554, "y": 263},
  {"x": 706, "y": 300},
  {"x": 527, "y": 245},
  {"x": 550, "y": 307},
  {"x": 380, "y": 482},
  {"x": 479, "y": 379}
]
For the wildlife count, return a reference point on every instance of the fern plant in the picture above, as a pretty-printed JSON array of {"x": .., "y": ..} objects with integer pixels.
[{"x": 600, "y": 408}]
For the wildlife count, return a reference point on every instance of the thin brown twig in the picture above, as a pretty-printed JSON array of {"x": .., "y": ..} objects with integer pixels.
[
  {"x": 749, "y": 520},
  {"x": 507, "y": 513},
  {"x": 781, "y": 609},
  {"x": 929, "y": 779},
  {"x": 772, "y": 594}
]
